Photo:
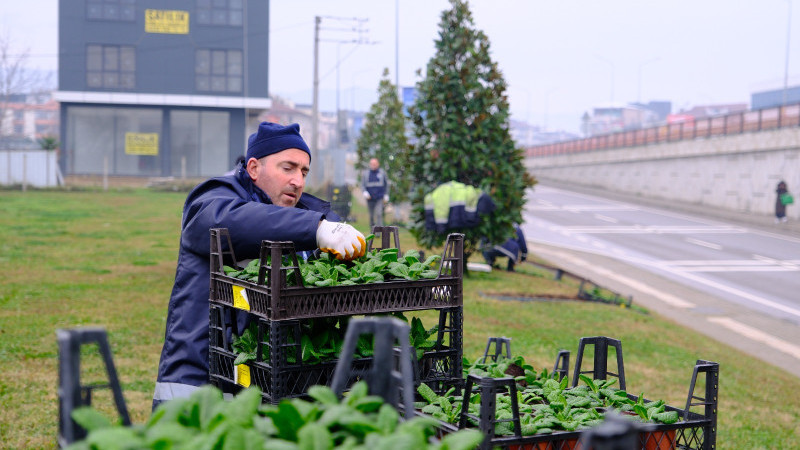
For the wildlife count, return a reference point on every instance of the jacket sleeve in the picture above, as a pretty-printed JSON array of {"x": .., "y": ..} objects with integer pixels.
[{"x": 248, "y": 223}]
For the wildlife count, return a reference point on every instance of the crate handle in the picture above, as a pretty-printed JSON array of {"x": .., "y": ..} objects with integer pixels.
[
  {"x": 386, "y": 233},
  {"x": 499, "y": 343},
  {"x": 382, "y": 378},
  {"x": 453, "y": 256},
  {"x": 217, "y": 252},
  {"x": 709, "y": 400},
  {"x": 71, "y": 393},
  {"x": 600, "y": 367},
  {"x": 561, "y": 366},
  {"x": 488, "y": 390}
]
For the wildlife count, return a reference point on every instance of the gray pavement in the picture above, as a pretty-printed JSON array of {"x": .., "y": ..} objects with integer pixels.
[
  {"x": 756, "y": 221},
  {"x": 642, "y": 284}
]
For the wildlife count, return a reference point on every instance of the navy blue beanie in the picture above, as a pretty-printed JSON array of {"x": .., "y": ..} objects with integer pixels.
[{"x": 273, "y": 138}]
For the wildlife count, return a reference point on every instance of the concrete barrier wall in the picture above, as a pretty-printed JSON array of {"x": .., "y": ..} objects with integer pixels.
[
  {"x": 35, "y": 168},
  {"x": 738, "y": 172}
]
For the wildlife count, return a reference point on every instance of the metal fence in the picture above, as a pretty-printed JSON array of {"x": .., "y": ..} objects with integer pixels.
[
  {"x": 35, "y": 168},
  {"x": 730, "y": 124}
]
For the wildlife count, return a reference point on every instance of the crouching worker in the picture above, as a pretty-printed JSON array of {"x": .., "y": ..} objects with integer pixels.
[
  {"x": 514, "y": 248},
  {"x": 262, "y": 201}
]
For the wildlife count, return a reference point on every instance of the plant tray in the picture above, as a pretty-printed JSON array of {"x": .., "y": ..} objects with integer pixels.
[
  {"x": 277, "y": 301},
  {"x": 279, "y": 378},
  {"x": 694, "y": 431}
]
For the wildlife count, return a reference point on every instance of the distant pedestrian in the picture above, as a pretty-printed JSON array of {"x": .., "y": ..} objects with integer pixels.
[
  {"x": 375, "y": 185},
  {"x": 784, "y": 199}
]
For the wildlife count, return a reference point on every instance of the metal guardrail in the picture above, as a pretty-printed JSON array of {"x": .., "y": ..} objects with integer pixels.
[{"x": 731, "y": 124}]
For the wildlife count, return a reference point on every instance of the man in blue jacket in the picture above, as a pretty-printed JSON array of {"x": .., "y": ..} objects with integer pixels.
[
  {"x": 263, "y": 200},
  {"x": 375, "y": 185}
]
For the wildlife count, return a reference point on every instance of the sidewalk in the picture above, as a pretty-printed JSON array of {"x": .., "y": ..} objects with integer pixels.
[{"x": 756, "y": 221}]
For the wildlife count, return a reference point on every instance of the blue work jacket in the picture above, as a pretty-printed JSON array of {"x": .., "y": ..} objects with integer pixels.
[{"x": 235, "y": 203}]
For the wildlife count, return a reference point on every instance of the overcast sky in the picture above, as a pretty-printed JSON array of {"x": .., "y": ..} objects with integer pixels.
[{"x": 559, "y": 58}]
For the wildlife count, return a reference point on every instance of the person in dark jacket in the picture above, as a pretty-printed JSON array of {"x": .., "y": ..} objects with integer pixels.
[
  {"x": 376, "y": 190},
  {"x": 780, "y": 207},
  {"x": 264, "y": 200},
  {"x": 514, "y": 248}
]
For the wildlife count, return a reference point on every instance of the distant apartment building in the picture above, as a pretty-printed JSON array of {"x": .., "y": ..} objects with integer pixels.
[
  {"x": 160, "y": 88},
  {"x": 775, "y": 97},
  {"x": 28, "y": 117}
]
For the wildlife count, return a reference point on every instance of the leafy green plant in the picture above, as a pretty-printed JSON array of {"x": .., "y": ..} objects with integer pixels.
[
  {"x": 376, "y": 266},
  {"x": 545, "y": 404},
  {"x": 205, "y": 420},
  {"x": 322, "y": 339},
  {"x": 246, "y": 345}
]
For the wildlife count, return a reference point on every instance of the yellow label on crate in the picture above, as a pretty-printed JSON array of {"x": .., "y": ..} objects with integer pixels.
[
  {"x": 240, "y": 298},
  {"x": 241, "y": 374}
]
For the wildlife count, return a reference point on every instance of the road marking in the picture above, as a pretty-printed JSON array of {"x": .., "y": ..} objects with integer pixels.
[
  {"x": 657, "y": 229},
  {"x": 757, "y": 335},
  {"x": 579, "y": 208},
  {"x": 717, "y": 262},
  {"x": 738, "y": 269},
  {"x": 703, "y": 243},
  {"x": 732, "y": 265},
  {"x": 663, "y": 296},
  {"x": 605, "y": 218},
  {"x": 734, "y": 291},
  {"x": 789, "y": 263}
]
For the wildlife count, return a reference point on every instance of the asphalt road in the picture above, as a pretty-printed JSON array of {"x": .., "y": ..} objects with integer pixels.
[{"x": 733, "y": 278}]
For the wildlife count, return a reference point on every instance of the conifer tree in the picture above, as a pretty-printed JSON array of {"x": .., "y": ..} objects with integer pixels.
[
  {"x": 461, "y": 121},
  {"x": 383, "y": 137}
]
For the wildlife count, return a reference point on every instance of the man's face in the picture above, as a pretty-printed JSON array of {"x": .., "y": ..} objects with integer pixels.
[
  {"x": 373, "y": 164},
  {"x": 281, "y": 175}
]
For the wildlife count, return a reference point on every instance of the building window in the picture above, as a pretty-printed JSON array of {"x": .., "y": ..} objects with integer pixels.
[
  {"x": 220, "y": 12},
  {"x": 218, "y": 70},
  {"x": 98, "y": 136},
  {"x": 110, "y": 66},
  {"x": 118, "y": 10}
]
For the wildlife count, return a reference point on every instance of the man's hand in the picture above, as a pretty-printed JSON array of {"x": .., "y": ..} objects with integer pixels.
[
  {"x": 367, "y": 196},
  {"x": 385, "y": 199},
  {"x": 341, "y": 240}
]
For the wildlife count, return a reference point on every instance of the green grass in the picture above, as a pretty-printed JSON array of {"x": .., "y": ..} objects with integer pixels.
[{"x": 107, "y": 259}]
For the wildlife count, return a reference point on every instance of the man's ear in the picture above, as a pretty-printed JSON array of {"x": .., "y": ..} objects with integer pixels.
[{"x": 252, "y": 168}]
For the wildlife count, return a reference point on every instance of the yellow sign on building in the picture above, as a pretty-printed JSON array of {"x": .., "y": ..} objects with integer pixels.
[
  {"x": 141, "y": 144},
  {"x": 166, "y": 21}
]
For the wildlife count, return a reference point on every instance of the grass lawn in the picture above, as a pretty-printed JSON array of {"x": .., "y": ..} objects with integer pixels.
[{"x": 93, "y": 258}]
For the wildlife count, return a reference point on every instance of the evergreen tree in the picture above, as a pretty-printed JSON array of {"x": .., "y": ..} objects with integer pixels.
[
  {"x": 383, "y": 137},
  {"x": 461, "y": 124}
]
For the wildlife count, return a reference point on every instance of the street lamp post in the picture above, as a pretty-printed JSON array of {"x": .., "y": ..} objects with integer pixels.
[
  {"x": 786, "y": 67},
  {"x": 546, "y": 103},
  {"x": 639, "y": 87},
  {"x": 611, "y": 64}
]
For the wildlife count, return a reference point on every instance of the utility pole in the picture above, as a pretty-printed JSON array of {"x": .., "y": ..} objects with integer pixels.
[
  {"x": 786, "y": 67},
  {"x": 315, "y": 109},
  {"x": 317, "y": 163}
]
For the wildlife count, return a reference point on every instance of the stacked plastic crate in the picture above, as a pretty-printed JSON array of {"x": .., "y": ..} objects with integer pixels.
[{"x": 280, "y": 310}]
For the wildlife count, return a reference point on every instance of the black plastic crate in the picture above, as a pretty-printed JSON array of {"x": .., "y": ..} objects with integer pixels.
[
  {"x": 277, "y": 301},
  {"x": 279, "y": 378},
  {"x": 696, "y": 430}
]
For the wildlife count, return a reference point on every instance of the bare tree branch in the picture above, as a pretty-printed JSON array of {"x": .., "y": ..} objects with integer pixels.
[{"x": 15, "y": 77}]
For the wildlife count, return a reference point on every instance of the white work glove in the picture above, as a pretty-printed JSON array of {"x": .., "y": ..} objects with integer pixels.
[
  {"x": 366, "y": 195},
  {"x": 385, "y": 199},
  {"x": 341, "y": 240}
]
